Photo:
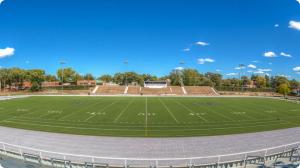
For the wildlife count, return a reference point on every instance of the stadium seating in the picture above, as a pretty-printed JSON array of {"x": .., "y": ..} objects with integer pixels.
[
  {"x": 155, "y": 91},
  {"x": 110, "y": 90},
  {"x": 200, "y": 90},
  {"x": 133, "y": 90},
  {"x": 177, "y": 90}
]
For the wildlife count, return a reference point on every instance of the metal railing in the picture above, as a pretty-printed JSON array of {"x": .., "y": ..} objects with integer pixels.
[{"x": 241, "y": 157}]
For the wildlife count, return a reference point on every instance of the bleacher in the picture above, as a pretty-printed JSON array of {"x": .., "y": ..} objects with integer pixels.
[
  {"x": 110, "y": 90},
  {"x": 133, "y": 90},
  {"x": 155, "y": 91},
  {"x": 177, "y": 90},
  {"x": 170, "y": 90},
  {"x": 200, "y": 90}
]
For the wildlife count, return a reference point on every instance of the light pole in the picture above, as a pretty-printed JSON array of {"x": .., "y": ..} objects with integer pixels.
[
  {"x": 241, "y": 66},
  {"x": 0, "y": 80},
  {"x": 62, "y": 76},
  {"x": 181, "y": 63},
  {"x": 126, "y": 63}
]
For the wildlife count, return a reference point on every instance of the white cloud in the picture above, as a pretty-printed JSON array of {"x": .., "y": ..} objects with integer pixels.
[
  {"x": 269, "y": 54},
  {"x": 1, "y": 1},
  {"x": 251, "y": 66},
  {"x": 201, "y": 43},
  {"x": 238, "y": 68},
  {"x": 276, "y": 25},
  {"x": 294, "y": 25},
  {"x": 232, "y": 74},
  {"x": 287, "y": 76},
  {"x": 6, "y": 52},
  {"x": 187, "y": 49},
  {"x": 264, "y": 70},
  {"x": 259, "y": 72},
  {"x": 297, "y": 68},
  {"x": 204, "y": 60},
  {"x": 298, "y": 1},
  {"x": 285, "y": 54},
  {"x": 218, "y": 70},
  {"x": 179, "y": 68},
  {"x": 270, "y": 63},
  {"x": 298, "y": 72},
  {"x": 255, "y": 61}
]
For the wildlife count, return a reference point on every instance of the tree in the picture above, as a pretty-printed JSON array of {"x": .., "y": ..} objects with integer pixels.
[
  {"x": 284, "y": 89},
  {"x": 215, "y": 78},
  {"x": 175, "y": 76},
  {"x": 278, "y": 80},
  {"x": 119, "y": 78},
  {"x": 260, "y": 81},
  {"x": 106, "y": 78},
  {"x": 36, "y": 77},
  {"x": 50, "y": 78},
  {"x": 148, "y": 77},
  {"x": 68, "y": 75},
  {"x": 191, "y": 77},
  {"x": 88, "y": 76},
  {"x": 245, "y": 80},
  {"x": 294, "y": 84}
]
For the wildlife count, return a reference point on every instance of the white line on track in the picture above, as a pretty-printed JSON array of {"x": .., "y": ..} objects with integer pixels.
[
  {"x": 142, "y": 130},
  {"x": 169, "y": 111},
  {"x": 124, "y": 109},
  {"x": 129, "y": 126}
]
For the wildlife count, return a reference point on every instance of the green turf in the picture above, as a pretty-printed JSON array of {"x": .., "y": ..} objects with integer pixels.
[{"x": 149, "y": 116}]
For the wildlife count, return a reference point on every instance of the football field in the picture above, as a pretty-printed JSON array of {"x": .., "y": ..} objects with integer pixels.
[{"x": 149, "y": 116}]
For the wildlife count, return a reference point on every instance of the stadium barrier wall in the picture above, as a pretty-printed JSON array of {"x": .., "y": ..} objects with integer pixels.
[{"x": 217, "y": 160}]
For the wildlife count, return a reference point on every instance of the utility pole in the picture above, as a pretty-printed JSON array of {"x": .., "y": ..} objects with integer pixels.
[
  {"x": 181, "y": 63},
  {"x": 126, "y": 63},
  {"x": 62, "y": 76},
  {"x": 241, "y": 66}
]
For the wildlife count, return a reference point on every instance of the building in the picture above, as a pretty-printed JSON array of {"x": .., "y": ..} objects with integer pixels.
[
  {"x": 155, "y": 84},
  {"x": 50, "y": 84},
  {"x": 296, "y": 91},
  {"x": 86, "y": 82},
  {"x": 26, "y": 85}
]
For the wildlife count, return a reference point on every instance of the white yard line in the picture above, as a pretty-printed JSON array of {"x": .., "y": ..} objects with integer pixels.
[
  {"x": 107, "y": 106},
  {"x": 185, "y": 107},
  {"x": 146, "y": 118},
  {"x": 81, "y": 109},
  {"x": 124, "y": 109},
  {"x": 169, "y": 111}
]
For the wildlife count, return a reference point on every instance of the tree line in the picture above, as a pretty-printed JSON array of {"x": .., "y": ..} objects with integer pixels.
[
  {"x": 15, "y": 77},
  {"x": 189, "y": 77}
]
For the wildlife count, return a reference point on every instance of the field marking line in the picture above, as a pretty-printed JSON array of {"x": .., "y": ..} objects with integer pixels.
[
  {"x": 103, "y": 109},
  {"x": 169, "y": 111},
  {"x": 43, "y": 115},
  {"x": 134, "y": 126},
  {"x": 124, "y": 109},
  {"x": 142, "y": 130},
  {"x": 184, "y": 106},
  {"x": 146, "y": 117},
  {"x": 75, "y": 112}
]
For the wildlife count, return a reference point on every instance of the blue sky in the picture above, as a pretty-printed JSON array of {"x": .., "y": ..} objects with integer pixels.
[{"x": 153, "y": 35}]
